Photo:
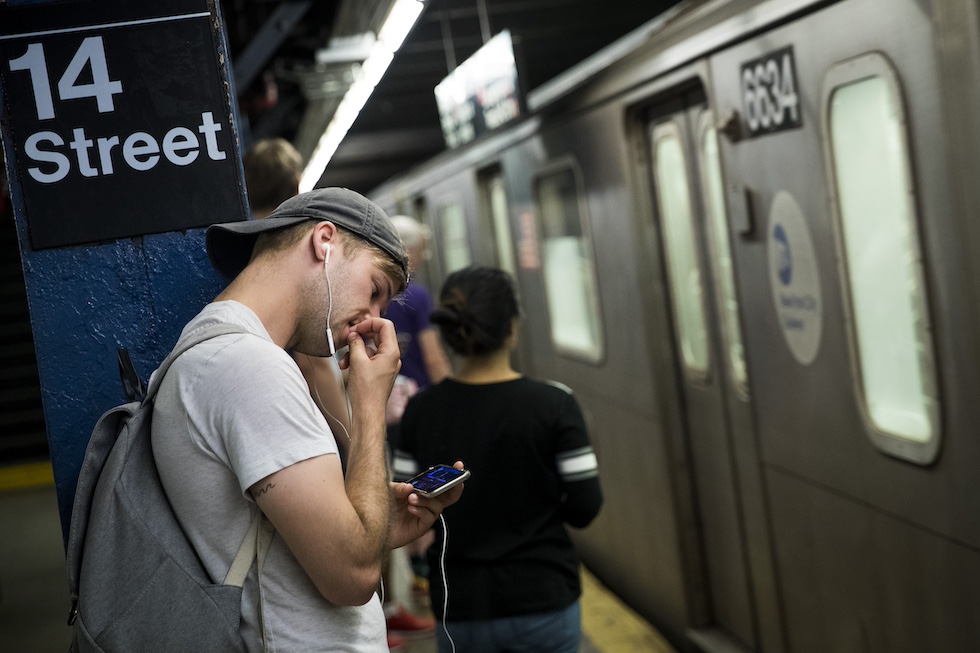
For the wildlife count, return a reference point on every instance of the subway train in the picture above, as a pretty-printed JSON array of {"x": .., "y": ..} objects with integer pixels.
[{"x": 744, "y": 235}]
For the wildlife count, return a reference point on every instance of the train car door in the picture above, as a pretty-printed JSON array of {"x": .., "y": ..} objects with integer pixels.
[
  {"x": 496, "y": 218},
  {"x": 496, "y": 223},
  {"x": 739, "y": 591},
  {"x": 861, "y": 349}
]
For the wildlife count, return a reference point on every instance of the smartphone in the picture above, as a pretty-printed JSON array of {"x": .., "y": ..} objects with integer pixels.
[{"x": 437, "y": 479}]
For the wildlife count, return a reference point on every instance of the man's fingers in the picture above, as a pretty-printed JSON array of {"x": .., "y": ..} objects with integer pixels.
[{"x": 379, "y": 331}]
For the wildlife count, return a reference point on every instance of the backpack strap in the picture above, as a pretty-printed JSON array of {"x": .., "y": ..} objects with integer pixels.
[
  {"x": 255, "y": 546},
  {"x": 257, "y": 540},
  {"x": 195, "y": 337},
  {"x": 133, "y": 387}
]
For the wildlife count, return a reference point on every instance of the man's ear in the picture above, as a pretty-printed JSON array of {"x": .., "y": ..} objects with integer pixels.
[{"x": 324, "y": 234}]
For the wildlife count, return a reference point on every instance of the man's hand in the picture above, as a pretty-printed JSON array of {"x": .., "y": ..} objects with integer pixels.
[
  {"x": 373, "y": 361},
  {"x": 414, "y": 515}
]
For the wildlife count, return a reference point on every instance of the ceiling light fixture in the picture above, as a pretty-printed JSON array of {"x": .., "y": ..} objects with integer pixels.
[{"x": 396, "y": 27}]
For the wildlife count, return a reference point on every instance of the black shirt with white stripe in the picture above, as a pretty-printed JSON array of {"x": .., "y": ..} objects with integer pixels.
[{"x": 533, "y": 471}]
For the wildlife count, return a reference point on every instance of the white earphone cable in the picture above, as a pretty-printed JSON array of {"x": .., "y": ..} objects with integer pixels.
[
  {"x": 445, "y": 582},
  {"x": 326, "y": 273},
  {"x": 323, "y": 406}
]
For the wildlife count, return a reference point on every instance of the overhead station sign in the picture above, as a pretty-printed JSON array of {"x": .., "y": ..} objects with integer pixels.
[
  {"x": 482, "y": 94},
  {"x": 120, "y": 119}
]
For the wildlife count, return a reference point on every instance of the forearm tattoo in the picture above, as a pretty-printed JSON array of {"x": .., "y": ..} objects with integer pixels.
[{"x": 262, "y": 491}]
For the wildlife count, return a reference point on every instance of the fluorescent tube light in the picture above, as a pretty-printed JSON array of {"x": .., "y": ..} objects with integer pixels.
[{"x": 397, "y": 25}]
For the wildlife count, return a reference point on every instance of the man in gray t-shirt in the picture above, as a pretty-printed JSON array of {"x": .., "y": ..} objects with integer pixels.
[{"x": 235, "y": 429}]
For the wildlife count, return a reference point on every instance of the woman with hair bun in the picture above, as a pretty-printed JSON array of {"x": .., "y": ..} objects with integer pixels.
[{"x": 511, "y": 569}]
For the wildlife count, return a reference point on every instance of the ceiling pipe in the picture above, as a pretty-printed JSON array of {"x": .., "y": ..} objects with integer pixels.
[{"x": 481, "y": 7}]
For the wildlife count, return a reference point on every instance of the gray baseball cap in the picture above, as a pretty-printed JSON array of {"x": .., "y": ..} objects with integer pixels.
[{"x": 230, "y": 244}]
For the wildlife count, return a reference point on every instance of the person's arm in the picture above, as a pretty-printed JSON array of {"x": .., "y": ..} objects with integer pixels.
[
  {"x": 583, "y": 499},
  {"x": 577, "y": 467},
  {"x": 433, "y": 355},
  {"x": 337, "y": 526}
]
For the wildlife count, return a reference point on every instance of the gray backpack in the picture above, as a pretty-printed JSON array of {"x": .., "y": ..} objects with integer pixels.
[{"x": 136, "y": 582}]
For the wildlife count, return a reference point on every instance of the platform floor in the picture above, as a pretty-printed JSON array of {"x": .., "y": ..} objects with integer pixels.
[{"x": 34, "y": 594}]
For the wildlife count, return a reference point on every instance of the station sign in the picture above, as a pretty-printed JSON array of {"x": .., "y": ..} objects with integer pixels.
[
  {"x": 482, "y": 94},
  {"x": 120, "y": 119}
]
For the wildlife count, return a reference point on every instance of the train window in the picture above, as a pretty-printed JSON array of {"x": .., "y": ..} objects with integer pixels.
[
  {"x": 680, "y": 245},
  {"x": 497, "y": 203},
  {"x": 721, "y": 259},
  {"x": 569, "y": 271},
  {"x": 877, "y": 231},
  {"x": 455, "y": 246}
]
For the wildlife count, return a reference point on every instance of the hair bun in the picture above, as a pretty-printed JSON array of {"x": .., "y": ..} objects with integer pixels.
[
  {"x": 446, "y": 316},
  {"x": 477, "y": 306}
]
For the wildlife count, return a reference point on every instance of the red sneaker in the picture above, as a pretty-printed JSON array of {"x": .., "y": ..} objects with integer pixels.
[
  {"x": 397, "y": 644},
  {"x": 407, "y": 623}
]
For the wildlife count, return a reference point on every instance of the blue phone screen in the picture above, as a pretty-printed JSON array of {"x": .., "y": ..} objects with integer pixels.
[{"x": 435, "y": 478}]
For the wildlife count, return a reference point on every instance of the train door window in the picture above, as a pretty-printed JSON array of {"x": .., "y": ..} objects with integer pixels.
[
  {"x": 495, "y": 203},
  {"x": 426, "y": 271},
  {"x": 677, "y": 216},
  {"x": 890, "y": 333},
  {"x": 569, "y": 270},
  {"x": 721, "y": 253},
  {"x": 455, "y": 245}
]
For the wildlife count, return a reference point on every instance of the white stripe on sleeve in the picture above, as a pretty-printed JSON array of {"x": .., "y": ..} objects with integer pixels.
[{"x": 577, "y": 464}]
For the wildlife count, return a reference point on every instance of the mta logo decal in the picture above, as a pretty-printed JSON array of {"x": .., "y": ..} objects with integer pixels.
[{"x": 785, "y": 256}]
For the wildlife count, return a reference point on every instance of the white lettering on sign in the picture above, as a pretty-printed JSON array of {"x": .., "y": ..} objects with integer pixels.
[
  {"x": 37, "y": 154},
  {"x": 33, "y": 62},
  {"x": 93, "y": 158},
  {"x": 140, "y": 151},
  {"x": 499, "y": 102},
  {"x": 92, "y": 52},
  {"x": 769, "y": 94},
  {"x": 457, "y": 124}
]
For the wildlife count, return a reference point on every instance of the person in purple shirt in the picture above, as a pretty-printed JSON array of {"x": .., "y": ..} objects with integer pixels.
[{"x": 424, "y": 361}]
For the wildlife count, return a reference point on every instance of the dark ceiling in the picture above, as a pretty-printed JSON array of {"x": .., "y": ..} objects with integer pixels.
[{"x": 284, "y": 92}]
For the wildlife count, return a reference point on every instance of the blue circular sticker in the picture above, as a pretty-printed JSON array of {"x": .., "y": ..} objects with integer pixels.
[{"x": 794, "y": 278}]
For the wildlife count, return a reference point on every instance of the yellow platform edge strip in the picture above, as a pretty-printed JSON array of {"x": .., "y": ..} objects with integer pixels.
[
  {"x": 25, "y": 476},
  {"x": 611, "y": 626}
]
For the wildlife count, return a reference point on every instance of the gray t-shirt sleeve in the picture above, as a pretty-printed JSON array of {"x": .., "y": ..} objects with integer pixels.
[{"x": 262, "y": 418}]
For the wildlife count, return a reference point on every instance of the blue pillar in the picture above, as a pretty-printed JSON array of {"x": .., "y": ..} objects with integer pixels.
[{"x": 121, "y": 261}]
